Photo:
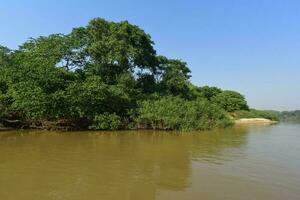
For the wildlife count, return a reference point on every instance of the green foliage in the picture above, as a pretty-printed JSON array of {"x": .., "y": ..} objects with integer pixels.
[
  {"x": 116, "y": 48},
  {"x": 205, "y": 92},
  {"x": 230, "y": 101},
  {"x": 5, "y": 56},
  {"x": 175, "y": 77},
  {"x": 29, "y": 99},
  {"x": 93, "y": 97},
  {"x": 106, "y": 121},
  {"x": 252, "y": 113},
  {"x": 176, "y": 113},
  {"x": 107, "y": 75}
]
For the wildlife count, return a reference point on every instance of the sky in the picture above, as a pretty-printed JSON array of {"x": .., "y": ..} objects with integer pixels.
[{"x": 251, "y": 46}]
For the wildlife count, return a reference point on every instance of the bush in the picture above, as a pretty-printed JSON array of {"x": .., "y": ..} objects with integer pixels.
[
  {"x": 106, "y": 121},
  {"x": 174, "y": 113}
]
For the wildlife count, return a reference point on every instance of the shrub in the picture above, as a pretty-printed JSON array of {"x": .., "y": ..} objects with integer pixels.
[
  {"x": 106, "y": 121},
  {"x": 174, "y": 113}
]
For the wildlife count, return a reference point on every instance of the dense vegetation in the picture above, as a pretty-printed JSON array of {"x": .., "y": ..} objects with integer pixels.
[
  {"x": 292, "y": 116},
  {"x": 106, "y": 75}
]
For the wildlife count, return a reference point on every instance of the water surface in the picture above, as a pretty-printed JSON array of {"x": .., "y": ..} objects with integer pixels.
[{"x": 236, "y": 163}]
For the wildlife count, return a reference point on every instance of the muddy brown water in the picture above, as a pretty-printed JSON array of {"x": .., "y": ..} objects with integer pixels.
[{"x": 244, "y": 162}]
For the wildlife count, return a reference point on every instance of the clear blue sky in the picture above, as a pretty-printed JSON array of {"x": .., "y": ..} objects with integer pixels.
[{"x": 252, "y": 46}]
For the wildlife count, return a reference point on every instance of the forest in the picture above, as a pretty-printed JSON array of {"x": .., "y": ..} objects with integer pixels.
[
  {"x": 106, "y": 76},
  {"x": 290, "y": 116}
]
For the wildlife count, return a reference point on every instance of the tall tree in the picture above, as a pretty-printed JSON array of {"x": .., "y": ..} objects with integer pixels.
[
  {"x": 115, "y": 48},
  {"x": 175, "y": 76},
  {"x": 5, "y": 56},
  {"x": 230, "y": 101}
]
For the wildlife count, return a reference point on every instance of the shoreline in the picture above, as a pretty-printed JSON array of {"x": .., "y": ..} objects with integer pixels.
[
  {"x": 262, "y": 121},
  {"x": 241, "y": 121}
]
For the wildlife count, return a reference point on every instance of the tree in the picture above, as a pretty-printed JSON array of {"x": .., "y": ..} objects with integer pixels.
[
  {"x": 174, "y": 77},
  {"x": 205, "y": 92},
  {"x": 108, "y": 76},
  {"x": 147, "y": 84},
  {"x": 5, "y": 54},
  {"x": 115, "y": 48},
  {"x": 230, "y": 101}
]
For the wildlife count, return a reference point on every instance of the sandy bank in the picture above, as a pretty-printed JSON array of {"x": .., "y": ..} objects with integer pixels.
[{"x": 255, "y": 121}]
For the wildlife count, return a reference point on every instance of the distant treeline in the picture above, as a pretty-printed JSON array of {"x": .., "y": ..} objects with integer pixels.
[
  {"x": 106, "y": 75},
  {"x": 293, "y": 116}
]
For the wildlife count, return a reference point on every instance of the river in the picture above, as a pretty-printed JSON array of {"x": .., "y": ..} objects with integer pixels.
[{"x": 243, "y": 162}]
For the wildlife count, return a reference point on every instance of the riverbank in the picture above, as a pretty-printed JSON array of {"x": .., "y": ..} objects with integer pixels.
[{"x": 63, "y": 127}]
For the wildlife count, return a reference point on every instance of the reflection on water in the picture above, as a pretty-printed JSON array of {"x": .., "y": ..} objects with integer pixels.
[{"x": 220, "y": 164}]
